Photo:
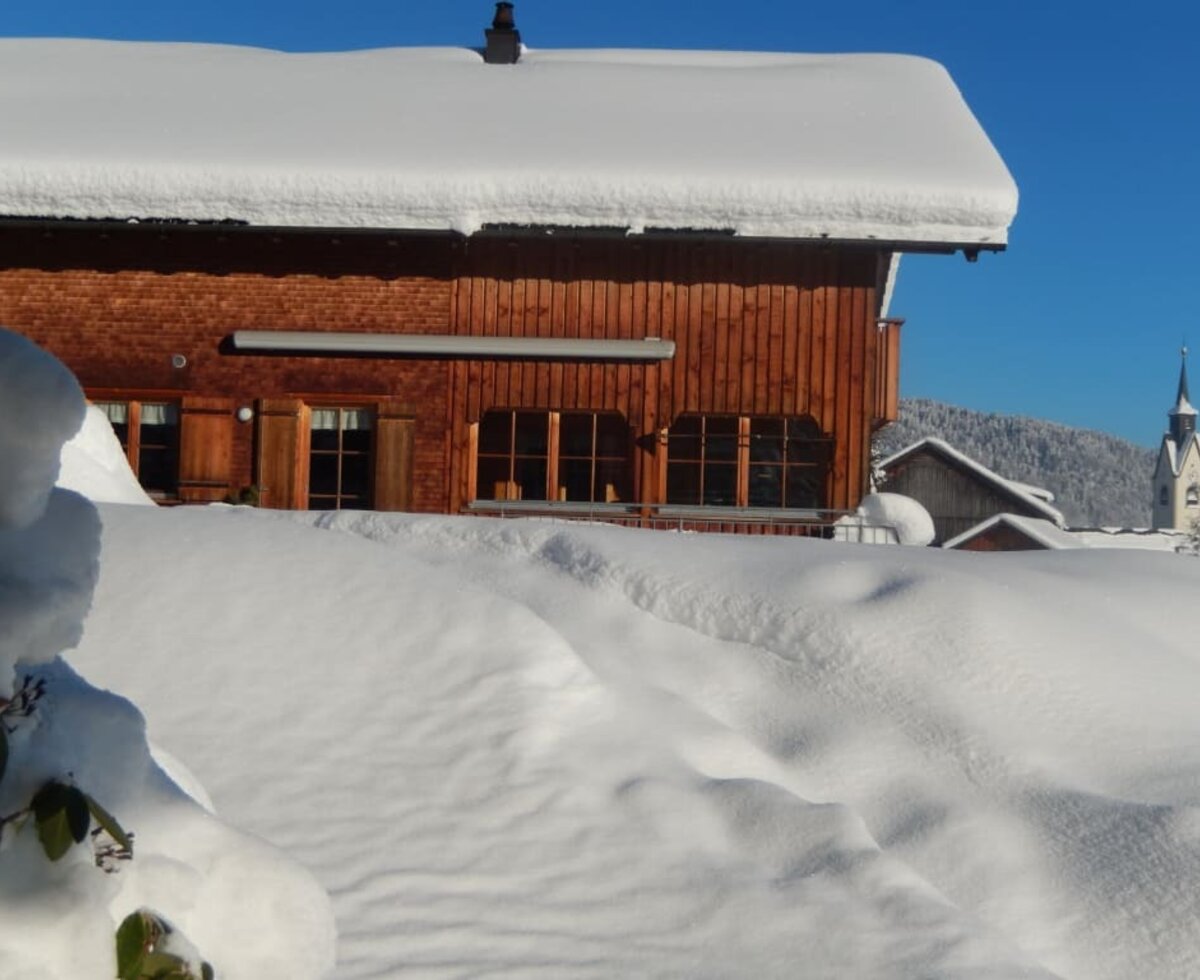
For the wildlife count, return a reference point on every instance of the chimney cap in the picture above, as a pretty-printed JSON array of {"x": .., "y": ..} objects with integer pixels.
[{"x": 504, "y": 16}]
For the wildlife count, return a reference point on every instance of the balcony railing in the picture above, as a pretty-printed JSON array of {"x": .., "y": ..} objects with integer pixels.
[{"x": 834, "y": 525}]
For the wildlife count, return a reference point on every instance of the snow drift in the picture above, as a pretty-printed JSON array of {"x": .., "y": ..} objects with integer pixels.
[{"x": 537, "y": 749}]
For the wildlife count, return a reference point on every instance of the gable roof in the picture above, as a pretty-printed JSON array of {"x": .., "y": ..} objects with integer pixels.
[
  {"x": 1045, "y": 533},
  {"x": 1016, "y": 491},
  {"x": 855, "y": 147}
]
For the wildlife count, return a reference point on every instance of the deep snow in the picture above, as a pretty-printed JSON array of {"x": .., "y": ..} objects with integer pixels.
[
  {"x": 542, "y": 749},
  {"x": 808, "y": 146}
]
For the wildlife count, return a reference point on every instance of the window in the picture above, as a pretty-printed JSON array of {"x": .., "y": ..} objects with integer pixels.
[
  {"x": 573, "y": 456},
  {"x": 702, "y": 460},
  {"x": 1163, "y": 496},
  {"x": 747, "y": 461},
  {"x": 1193, "y": 495},
  {"x": 339, "y": 462},
  {"x": 149, "y": 434}
]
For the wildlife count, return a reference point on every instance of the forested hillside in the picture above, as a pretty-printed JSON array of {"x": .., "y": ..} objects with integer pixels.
[{"x": 1097, "y": 479}]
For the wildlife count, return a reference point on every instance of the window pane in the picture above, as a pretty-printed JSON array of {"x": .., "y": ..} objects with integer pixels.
[
  {"x": 356, "y": 441},
  {"x": 495, "y": 433},
  {"x": 155, "y": 413},
  {"x": 530, "y": 476},
  {"x": 683, "y": 446},
  {"x": 687, "y": 425},
  {"x": 531, "y": 434},
  {"x": 323, "y": 473},
  {"x": 612, "y": 481},
  {"x": 324, "y": 418},
  {"x": 157, "y": 469},
  {"x": 720, "y": 485},
  {"x": 766, "y": 440},
  {"x": 117, "y": 412},
  {"x": 356, "y": 475},
  {"x": 805, "y": 487},
  {"x": 491, "y": 478},
  {"x": 324, "y": 440},
  {"x": 683, "y": 483},
  {"x": 766, "y": 486},
  {"x": 720, "y": 448},
  {"x": 575, "y": 479},
  {"x": 612, "y": 436},
  {"x": 575, "y": 434},
  {"x": 356, "y": 419}
]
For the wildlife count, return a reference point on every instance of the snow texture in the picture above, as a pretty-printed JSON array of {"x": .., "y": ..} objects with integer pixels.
[
  {"x": 780, "y": 145},
  {"x": 912, "y": 522},
  {"x": 252, "y": 911},
  {"x": 94, "y": 465},
  {"x": 43, "y": 407},
  {"x": 536, "y": 749}
]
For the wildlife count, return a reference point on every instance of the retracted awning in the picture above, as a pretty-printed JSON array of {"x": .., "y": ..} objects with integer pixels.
[{"x": 451, "y": 345}]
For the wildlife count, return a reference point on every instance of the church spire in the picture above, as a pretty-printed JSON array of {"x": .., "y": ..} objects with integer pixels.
[{"x": 1182, "y": 416}]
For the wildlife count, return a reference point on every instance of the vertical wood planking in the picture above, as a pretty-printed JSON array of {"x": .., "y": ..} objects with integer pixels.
[{"x": 760, "y": 329}]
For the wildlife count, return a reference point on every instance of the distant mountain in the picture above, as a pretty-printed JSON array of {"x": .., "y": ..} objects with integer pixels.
[{"x": 1096, "y": 479}]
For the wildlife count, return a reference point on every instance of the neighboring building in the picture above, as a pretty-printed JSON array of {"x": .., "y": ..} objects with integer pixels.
[
  {"x": 1012, "y": 532},
  {"x": 1176, "y": 483},
  {"x": 644, "y": 284},
  {"x": 959, "y": 492}
]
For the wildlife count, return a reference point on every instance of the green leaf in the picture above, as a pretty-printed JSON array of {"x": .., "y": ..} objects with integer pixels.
[
  {"x": 3, "y": 750},
  {"x": 109, "y": 823},
  {"x": 164, "y": 966},
  {"x": 62, "y": 817},
  {"x": 134, "y": 938}
]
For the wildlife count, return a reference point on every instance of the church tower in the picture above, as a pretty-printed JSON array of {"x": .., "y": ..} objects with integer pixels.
[{"x": 1177, "y": 472}]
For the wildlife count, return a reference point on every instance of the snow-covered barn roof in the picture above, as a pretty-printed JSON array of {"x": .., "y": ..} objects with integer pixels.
[
  {"x": 853, "y": 147},
  {"x": 1037, "y": 529},
  {"x": 1017, "y": 491}
]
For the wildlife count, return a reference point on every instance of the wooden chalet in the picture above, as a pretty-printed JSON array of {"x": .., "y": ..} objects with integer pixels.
[
  {"x": 962, "y": 495},
  {"x": 636, "y": 286}
]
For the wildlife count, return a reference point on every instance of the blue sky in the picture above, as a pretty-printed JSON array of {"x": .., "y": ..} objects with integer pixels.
[{"x": 1096, "y": 111}]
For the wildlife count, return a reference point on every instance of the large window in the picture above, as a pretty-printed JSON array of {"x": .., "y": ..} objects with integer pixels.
[
  {"x": 570, "y": 456},
  {"x": 747, "y": 461},
  {"x": 149, "y": 434},
  {"x": 339, "y": 463}
]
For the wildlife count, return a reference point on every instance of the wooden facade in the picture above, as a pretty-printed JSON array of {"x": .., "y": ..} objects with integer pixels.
[{"x": 765, "y": 333}]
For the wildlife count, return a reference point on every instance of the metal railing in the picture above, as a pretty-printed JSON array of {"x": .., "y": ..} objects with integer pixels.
[{"x": 834, "y": 525}]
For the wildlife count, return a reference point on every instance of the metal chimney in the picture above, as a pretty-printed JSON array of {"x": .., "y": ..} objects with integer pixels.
[{"x": 503, "y": 38}]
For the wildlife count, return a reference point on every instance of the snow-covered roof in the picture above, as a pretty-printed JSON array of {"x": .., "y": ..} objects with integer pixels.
[
  {"x": 1037, "y": 529},
  {"x": 781, "y": 145},
  {"x": 1040, "y": 492},
  {"x": 1019, "y": 491}
]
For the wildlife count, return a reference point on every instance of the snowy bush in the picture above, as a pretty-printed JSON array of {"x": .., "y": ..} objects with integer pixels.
[{"x": 72, "y": 756}]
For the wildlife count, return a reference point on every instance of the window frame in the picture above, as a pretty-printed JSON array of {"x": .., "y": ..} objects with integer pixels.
[
  {"x": 134, "y": 445},
  {"x": 746, "y": 463},
  {"x": 341, "y": 454},
  {"x": 552, "y": 490}
]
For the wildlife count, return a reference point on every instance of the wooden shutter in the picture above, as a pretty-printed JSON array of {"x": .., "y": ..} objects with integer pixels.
[
  {"x": 205, "y": 449},
  {"x": 393, "y": 457},
  {"x": 282, "y": 453}
]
